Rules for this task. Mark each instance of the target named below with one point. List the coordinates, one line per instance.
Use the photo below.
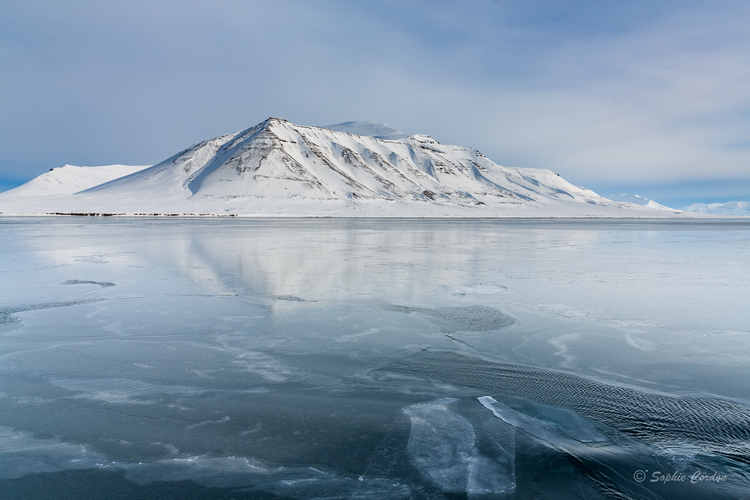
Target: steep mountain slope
(278, 168)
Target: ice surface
(441, 444)
(22, 454)
(478, 289)
(120, 390)
(706, 424)
(345, 358)
(558, 423)
(88, 282)
(6, 313)
(248, 473)
(487, 477)
(442, 447)
(471, 318)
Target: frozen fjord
(381, 359)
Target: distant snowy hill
(637, 200)
(70, 179)
(737, 208)
(277, 168)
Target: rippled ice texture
(225, 358)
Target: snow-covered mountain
(736, 208)
(637, 200)
(70, 179)
(277, 168)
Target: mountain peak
(426, 139)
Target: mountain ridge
(735, 208)
(282, 169)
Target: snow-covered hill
(736, 208)
(637, 200)
(70, 179)
(277, 168)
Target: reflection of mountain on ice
(275, 257)
(357, 169)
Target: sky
(638, 96)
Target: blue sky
(641, 96)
